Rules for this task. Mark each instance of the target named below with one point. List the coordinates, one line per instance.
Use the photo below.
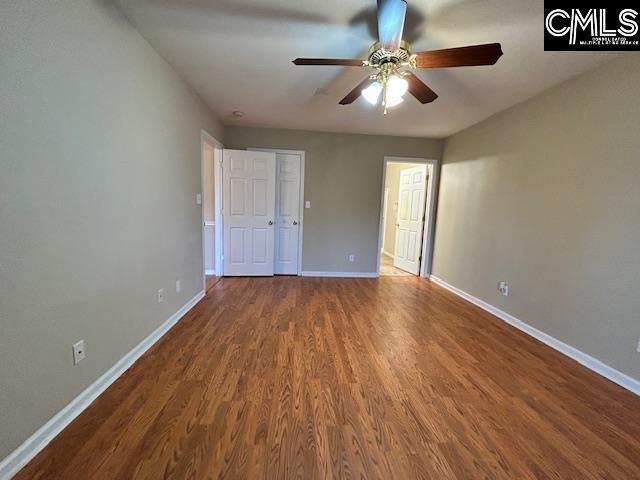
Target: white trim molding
(41, 438)
(210, 271)
(217, 147)
(341, 274)
(582, 358)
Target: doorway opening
(407, 216)
(211, 156)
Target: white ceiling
(237, 55)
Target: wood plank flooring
(210, 281)
(290, 377)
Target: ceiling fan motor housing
(378, 56)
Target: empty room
(265, 239)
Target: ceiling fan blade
(391, 15)
(460, 57)
(419, 89)
(346, 62)
(353, 95)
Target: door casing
(433, 167)
(206, 139)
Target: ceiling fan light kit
(393, 60)
(389, 81)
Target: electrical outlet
(638, 347)
(307, 204)
(198, 199)
(352, 258)
(78, 352)
(503, 288)
(178, 286)
(160, 295)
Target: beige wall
(99, 167)
(392, 182)
(343, 181)
(546, 196)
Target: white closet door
(288, 167)
(409, 225)
(248, 209)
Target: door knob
(295, 222)
(270, 222)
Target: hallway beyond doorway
(388, 270)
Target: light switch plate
(198, 199)
(307, 204)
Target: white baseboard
(210, 272)
(588, 361)
(36, 442)
(341, 274)
(384, 252)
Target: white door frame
(385, 205)
(301, 220)
(205, 138)
(429, 223)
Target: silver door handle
(270, 222)
(295, 222)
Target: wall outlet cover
(78, 352)
(503, 288)
(160, 295)
(352, 258)
(178, 286)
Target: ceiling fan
(393, 59)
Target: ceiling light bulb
(396, 86)
(372, 92)
(391, 100)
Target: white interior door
(288, 168)
(410, 221)
(248, 209)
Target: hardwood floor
(388, 269)
(292, 377)
(210, 281)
